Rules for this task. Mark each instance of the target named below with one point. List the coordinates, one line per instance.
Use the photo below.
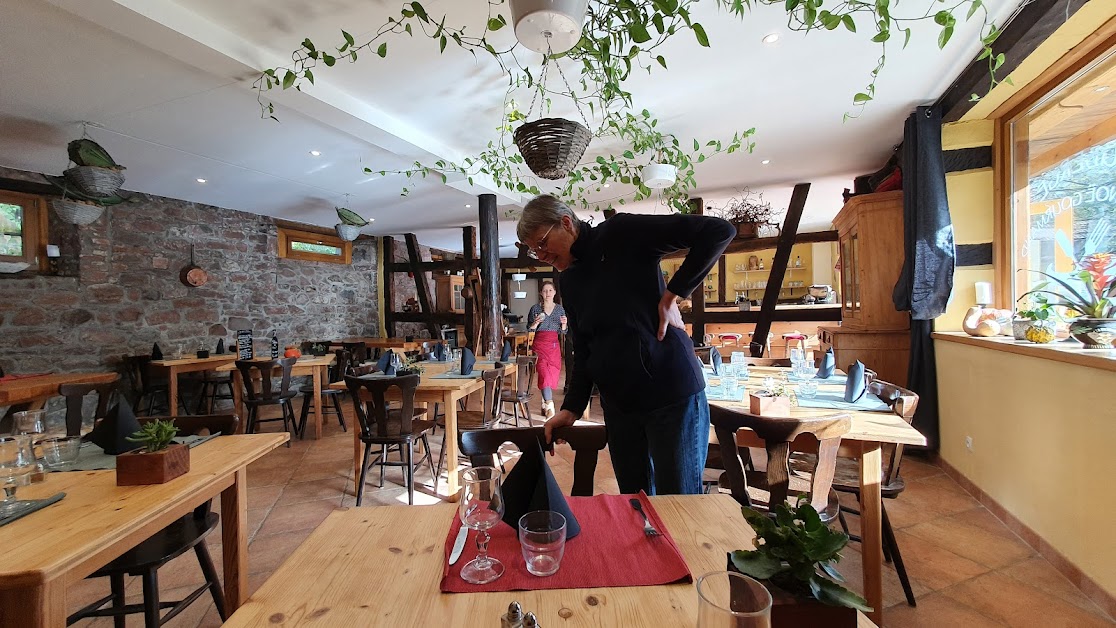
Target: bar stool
(791, 338)
(766, 343)
(730, 339)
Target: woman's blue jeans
(660, 451)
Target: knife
(458, 544)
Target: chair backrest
(903, 403)
(264, 369)
(377, 425)
(777, 434)
(585, 439)
(525, 372)
(340, 367)
(781, 362)
(199, 424)
(358, 350)
(75, 398)
(493, 382)
(359, 370)
(138, 370)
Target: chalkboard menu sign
(244, 344)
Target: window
(314, 247)
(22, 229)
(1063, 176)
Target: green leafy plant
(86, 152)
(1035, 308)
(154, 435)
(349, 217)
(798, 553)
(1090, 290)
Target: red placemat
(10, 378)
(611, 551)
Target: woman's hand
(669, 314)
(564, 418)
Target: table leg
(355, 429)
(238, 400)
(33, 606)
(452, 451)
(871, 531)
(172, 391)
(317, 376)
(234, 540)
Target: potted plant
(95, 172)
(1036, 312)
(1094, 299)
(795, 558)
(748, 212)
(772, 401)
(158, 461)
(351, 224)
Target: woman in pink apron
(547, 319)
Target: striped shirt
(550, 323)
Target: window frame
(34, 230)
(288, 236)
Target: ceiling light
(607, 184)
(201, 180)
(770, 38)
(765, 161)
(468, 206)
(316, 153)
(1100, 88)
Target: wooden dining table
(446, 392)
(190, 364)
(382, 566)
(32, 392)
(48, 551)
(865, 440)
(385, 343)
(317, 367)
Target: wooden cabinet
(447, 294)
(870, 231)
(885, 352)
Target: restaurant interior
(273, 351)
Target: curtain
(926, 280)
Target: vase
(1019, 328)
(138, 468)
(1094, 333)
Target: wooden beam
(744, 245)
(429, 267)
(721, 272)
(697, 299)
(29, 187)
(415, 257)
(796, 315)
(387, 243)
(1099, 134)
(433, 318)
(469, 250)
(493, 320)
(779, 267)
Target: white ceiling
(168, 84)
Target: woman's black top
(611, 293)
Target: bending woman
(547, 320)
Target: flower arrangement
(1094, 298)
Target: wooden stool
(730, 339)
(766, 344)
(794, 337)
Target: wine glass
(732, 600)
(481, 507)
(33, 424)
(17, 461)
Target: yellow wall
(1044, 445)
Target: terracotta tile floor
(967, 569)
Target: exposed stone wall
(119, 289)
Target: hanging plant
(351, 223)
(94, 172)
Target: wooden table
(382, 566)
(317, 367)
(433, 390)
(177, 366)
(48, 551)
(34, 391)
(387, 343)
(864, 440)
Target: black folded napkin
(112, 432)
(506, 354)
(156, 352)
(439, 352)
(385, 361)
(531, 486)
(827, 364)
(467, 361)
(854, 385)
(715, 360)
(220, 346)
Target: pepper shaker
(529, 621)
(513, 618)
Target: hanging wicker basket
(347, 233)
(552, 146)
(76, 212)
(94, 180)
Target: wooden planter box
(768, 406)
(137, 469)
(747, 230)
(791, 611)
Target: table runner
(836, 401)
(611, 551)
(33, 505)
(93, 458)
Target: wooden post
(493, 320)
(697, 299)
(388, 245)
(721, 272)
(420, 281)
(469, 250)
(779, 268)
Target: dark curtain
(927, 277)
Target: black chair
(336, 374)
(146, 386)
(250, 370)
(145, 559)
(390, 428)
(209, 392)
(586, 439)
(524, 375)
(358, 351)
(75, 402)
(468, 420)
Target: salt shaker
(514, 617)
(529, 621)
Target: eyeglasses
(533, 252)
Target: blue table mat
(836, 401)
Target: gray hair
(542, 211)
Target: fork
(648, 529)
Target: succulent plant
(155, 435)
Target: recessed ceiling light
(765, 161)
(1100, 88)
(468, 206)
(607, 184)
(201, 180)
(316, 153)
(770, 38)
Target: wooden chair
(251, 370)
(390, 428)
(147, 387)
(777, 434)
(586, 439)
(524, 375)
(468, 420)
(846, 477)
(145, 559)
(75, 401)
(358, 351)
(209, 392)
(336, 374)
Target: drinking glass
(727, 599)
(16, 464)
(542, 537)
(60, 452)
(481, 507)
(729, 380)
(807, 389)
(33, 424)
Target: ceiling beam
(1099, 134)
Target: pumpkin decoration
(1040, 333)
(987, 321)
(292, 352)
